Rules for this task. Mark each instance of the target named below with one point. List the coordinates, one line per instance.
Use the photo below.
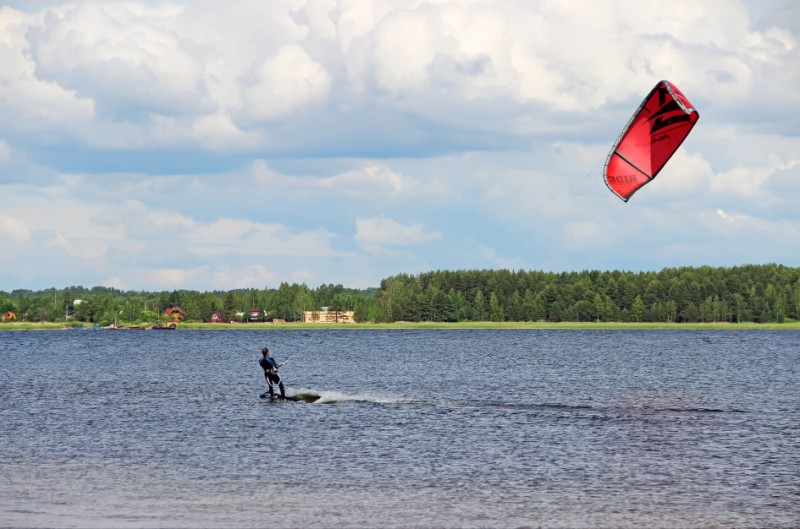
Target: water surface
(430, 428)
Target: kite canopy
(651, 137)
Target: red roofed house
(176, 314)
(254, 315)
(217, 317)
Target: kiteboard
(300, 397)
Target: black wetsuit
(270, 367)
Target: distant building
(255, 315)
(176, 313)
(217, 317)
(329, 316)
(9, 316)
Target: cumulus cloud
(135, 220)
(687, 174)
(123, 56)
(15, 229)
(387, 232)
(157, 228)
(231, 69)
(731, 218)
(284, 82)
(242, 237)
(501, 261)
(204, 145)
(748, 181)
(5, 151)
(366, 180)
(28, 102)
(370, 175)
(222, 278)
(218, 133)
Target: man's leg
(276, 379)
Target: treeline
(753, 293)
(104, 306)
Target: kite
(651, 137)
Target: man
(270, 367)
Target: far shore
(48, 326)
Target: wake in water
(313, 396)
(655, 407)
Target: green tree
(533, 306)
(495, 309)
(303, 301)
(638, 309)
(229, 308)
(479, 307)
(282, 302)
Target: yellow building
(328, 316)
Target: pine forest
(751, 293)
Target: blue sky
(204, 145)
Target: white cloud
(28, 102)
(5, 151)
(585, 233)
(15, 229)
(500, 261)
(686, 174)
(731, 219)
(372, 177)
(368, 180)
(124, 56)
(284, 82)
(203, 74)
(167, 143)
(133, 219)
(222, 277)
(246, 278)
(387, 232)
(76, 248)
(748, 181)
(243, 237)
(771, 46)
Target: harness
(270, 370)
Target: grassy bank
(27, 326)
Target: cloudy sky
(155, 145)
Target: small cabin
(9, 316)
(217, 317)
(329, 316)
(254, 315)
(176, 313)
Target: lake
(413, 428)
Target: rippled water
(413, 429)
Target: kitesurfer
(270, 367)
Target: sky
(205, 145)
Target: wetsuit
(270, 367)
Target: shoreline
(795, 326)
